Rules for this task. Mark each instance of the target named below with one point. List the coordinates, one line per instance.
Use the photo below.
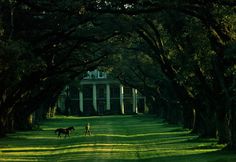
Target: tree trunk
(205, 123)
(3, 121)
(209, 126)
(197, 127)
(174, 114)
(23, 121)
(10, 124)
(232, 142)
(223, 131)
(188, 117)
(153, 105)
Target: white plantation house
(99, 94)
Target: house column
(135, 100)
(122, 99)
(95, 97)
(81, 102)
(108, 97)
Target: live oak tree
(217, 22)
(44, 47)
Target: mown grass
(113, 139)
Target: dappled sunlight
(108, 142)
(142, 135)
(115, 150)
(14, 159)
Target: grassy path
(113, 139)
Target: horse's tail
(56, 131)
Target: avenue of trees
(180, 54)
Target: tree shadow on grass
(216, 156)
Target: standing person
(87, 129)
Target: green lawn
(113, 139)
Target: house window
(101, 74)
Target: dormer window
(92, 76)
(101, 75)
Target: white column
(135, 100)
(81, 102)
(108, 97)
(122, 99)
(95, 97)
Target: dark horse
(65, 131)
